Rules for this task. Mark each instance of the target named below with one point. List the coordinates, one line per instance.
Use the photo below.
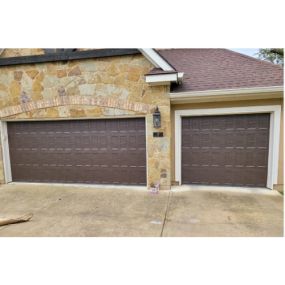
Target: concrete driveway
(89, 211)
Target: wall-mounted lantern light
(156, 118)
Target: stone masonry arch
(76, 100)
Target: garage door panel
(54, 173)
(229, 157)
(118, 173)
(194, 175)
(216, 174)
(216, 138)
(239, 137)
(204, 139)
(240, 122)
(205, 125)
(115, 141)
(85, 151)
(253, 122)
(138, 174)
(62, 140)
(19, 171)
(24, 171)
(240, 157)
(250, 139)
(140, 140)
(229, 174)
(191, 156)
(82, 157)
(190, 139)
(20, 156)
(134, 159)
(225, 150)
(261, 157)
(261, 138)
(249, 176)
(51, 156)
(229, 138)
(22, 141)
(217, 157)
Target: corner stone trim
(76, 100)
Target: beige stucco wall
(227, 105)
(92, 88)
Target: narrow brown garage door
(83, 151)
(225, 150)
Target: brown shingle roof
(213, 69)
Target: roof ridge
(254, 59)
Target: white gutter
(161, 79)
(227, 94)
(180, 76)
(159, 62)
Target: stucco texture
(91, 88)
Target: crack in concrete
(3, 227)
(166, 212)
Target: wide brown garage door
(83, 151)
(225, 150)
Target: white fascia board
(227, 94)
(161, 79)
(156, 59)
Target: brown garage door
(225, 150)
(83, 151)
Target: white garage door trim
(5, 142)
(5, 152)
(274, 134)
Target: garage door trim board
(5, 142)
(274, 134)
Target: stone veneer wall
(9, 52)
(92, 88)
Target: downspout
(180, 77)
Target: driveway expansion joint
(166, 212)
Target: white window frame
(274, 134)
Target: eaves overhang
(156, 59)
(252, 93)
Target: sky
(248, 51)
